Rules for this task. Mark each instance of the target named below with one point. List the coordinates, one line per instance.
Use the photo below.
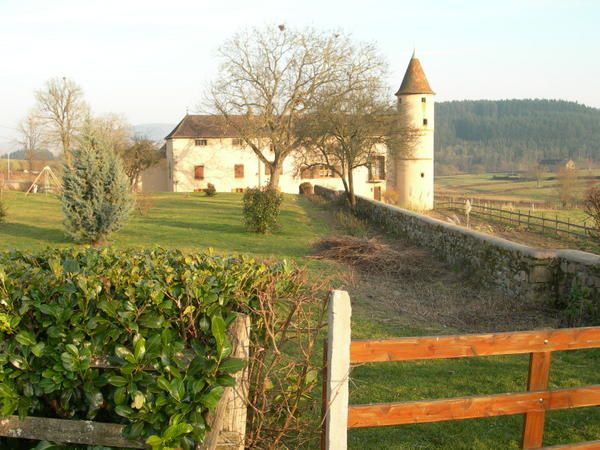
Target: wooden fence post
(228, 421)
(338, 365)
(533, 426)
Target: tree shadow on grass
(32, 232)
(202, 226)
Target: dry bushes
(143, 204)
(284, 406)
(592, 207)
(371, 255)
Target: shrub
(143, 204)
(144, 308)
(211, 191)
(261, 209)
(96, 197)
(579, 307)
(3, 212)
(306, 188)
(351, 224)
(592, 207)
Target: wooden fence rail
(533, 403)
(531, 221)
(228, 421)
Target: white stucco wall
(219, 158)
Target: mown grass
(190, 222)
(194, 222)
(420, 380)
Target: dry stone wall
(515, 269)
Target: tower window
(425, 122)
(423, 99)
(200, 142)
(377, 168)
(422, 174)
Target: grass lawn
(194, 222)
(190, 222)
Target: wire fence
(535, 222)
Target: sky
(151, 60)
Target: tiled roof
(203, 126)
(414, 81)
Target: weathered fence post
(338, 370)
(228, 422)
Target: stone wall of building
(515, 269)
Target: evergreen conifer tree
(97, 197)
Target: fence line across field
(521, 218)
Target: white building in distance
(203, 149)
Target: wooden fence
(342, 352)
(228, 421)
(531, 221)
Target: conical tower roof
(414, 81)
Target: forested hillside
(489, 135)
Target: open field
(431, 299)
(485, 186)
(526, 197)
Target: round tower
(413, 160)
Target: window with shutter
(199, 172)
(239, 170)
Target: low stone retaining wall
(515, 269)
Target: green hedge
(59, 308)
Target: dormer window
(200, 142)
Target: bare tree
(591, 207)
(112, 129)
(353, 124)
(63, 108)
(31, 136)
(536, 172)
(140, 155)
(566, 186)
(268, 79)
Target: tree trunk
(274, 178)
(351, 196)
(66, 147)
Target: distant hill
(153, 131)
(41, 155)
(513, 134)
